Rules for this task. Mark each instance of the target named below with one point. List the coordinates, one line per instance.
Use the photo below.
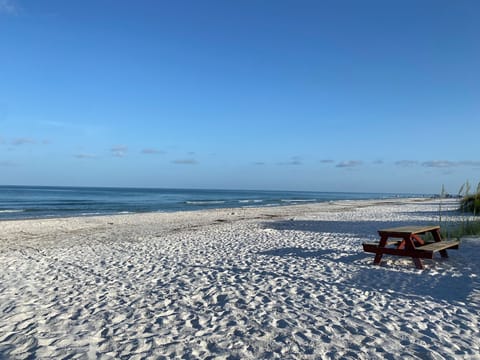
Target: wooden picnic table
(407, 241)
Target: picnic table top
(407, 230)
(412, 245)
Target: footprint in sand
(194, 323)
(221, 300)
(281, 324)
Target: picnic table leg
(410, 246)
(379, 254)
(438, 237)
(443, 253)
(418, 263)
(378, 258)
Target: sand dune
(276, 283)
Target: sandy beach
(255, 283)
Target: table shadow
(363, 229)
(452, 280)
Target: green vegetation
(469, 205)
(464, 228)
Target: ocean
(26, 202)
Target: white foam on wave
(205, 202)
(11, 211)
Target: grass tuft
(459, 230)
(469, 205)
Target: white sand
(282, 283)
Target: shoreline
(361, 202)
(55, 202)
(276, 282)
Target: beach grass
(470, 203)
(467, 224)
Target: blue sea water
(24, 202)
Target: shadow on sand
(362, 229)
(452, 283)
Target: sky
(340, 95)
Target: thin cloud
(295, 160)
(470, 163)
(259, 163)
(378, 162)
(119, 151)
(85, 156)
(22, 141)
(185, 162)
(440, 164)
(8, 7)
(406, 163)
(327, 161)
(446, 164)
(349, 164)
(7, 164)
(151, 151)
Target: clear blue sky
(340, 95)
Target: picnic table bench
(406, 241)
